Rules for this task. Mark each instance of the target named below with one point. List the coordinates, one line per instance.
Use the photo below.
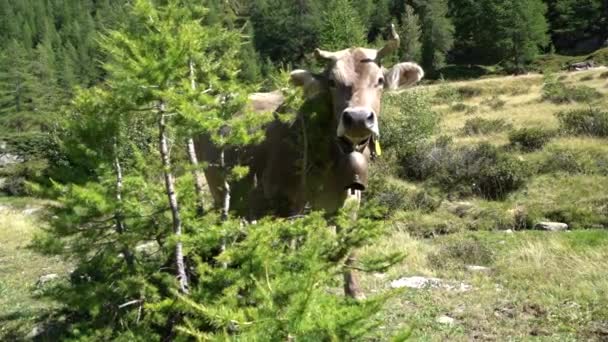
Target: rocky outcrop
(551, 226)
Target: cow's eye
(381, 81)
(331, 83)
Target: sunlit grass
(20, 269)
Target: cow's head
(356, 80)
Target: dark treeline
(49, 47)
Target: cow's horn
(391, 45)
(325, 55)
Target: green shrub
(424, 225)
(393, 195)
(577, 200)
(468, 92)
(472, 110)
(459, 107)
(604, 75)
(446, 94)
(530, 139)
(481, 126)
(575, 161)
(483, 170)
(479, 170)
(559, 93)
(407, 120)
(494, 102)
(591, 121)
(587, 78)
(459, 252)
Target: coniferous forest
(101, 102)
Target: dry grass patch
(20, 269)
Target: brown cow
(321, 157)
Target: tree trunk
(351, 280)
(120, 224)
(172, 196)
(226, 200)
(196, 174)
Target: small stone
(418, 282)
(460, 209)
(551, 226)
(35, 332)
(509, 231)
(447, 320)
(475, 268)
(46, 278)
(31, 211)
(415, 282)
(10, 159)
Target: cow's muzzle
(353, 171)
(358, 124)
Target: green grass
(20, 268)
(540, 286)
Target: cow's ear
(306, 80)
(403, 75)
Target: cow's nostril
(370, 118)
(347, 118)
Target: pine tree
(341, 27)
(410, 33)
(437, 34)
(520, 30)
(572, 21)
(286, 31)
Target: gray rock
(7, 159)
(418, 282)
(551, 226)
(31, 211)
(46, 279)
(459, 209)
(35, 332)
(447, 320)
(475, 268)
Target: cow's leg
(351, 279)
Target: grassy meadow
(534, 285)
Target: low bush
(481, 170)
(459, 107)
(407, 120)
(391, 195)
(577, 200)
(494, 102)
(468, 92)
(557, 92)
(591, 121)
(575, 161)
(446, 94)
(459, 252)
(587, 78)
(424, 225)
(481, 126)
(530, 138)
(604, 75)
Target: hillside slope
(497, 278)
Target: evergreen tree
(520, 30)
(410, 33)
(573, 21)
(286, 31)
(437, 33)
(341, 27)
